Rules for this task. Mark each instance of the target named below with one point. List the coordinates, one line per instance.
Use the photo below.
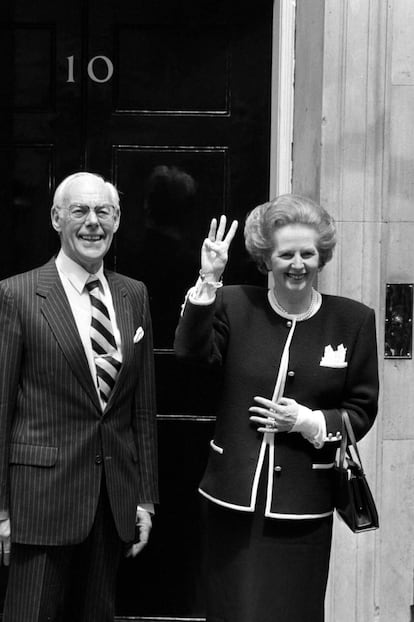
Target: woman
(291, 358)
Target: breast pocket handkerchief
(138, 334)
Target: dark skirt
(263, 569)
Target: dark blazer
(243, 335)
(55, 441)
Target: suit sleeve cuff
(312, 425)
(148, 507)
(203, 293)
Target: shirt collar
(75, 273)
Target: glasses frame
(105, 218)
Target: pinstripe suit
(55, 441)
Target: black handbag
(353, 498)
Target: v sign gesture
(214, 252)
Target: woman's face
(294, 261)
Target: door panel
(166, 580)
(25, 197)
(168, 196)
(40, 137)
(167, 72)
(171, 100)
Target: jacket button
(278, 469)
(291, 373)
(98, 459)
(288, 323)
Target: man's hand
(5, 541)
(144, 524)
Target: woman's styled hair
(61, 191)
(287, 209)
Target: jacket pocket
(216, 448)
(34, 455)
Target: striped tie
(104, 346)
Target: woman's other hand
(278, 416)
(214, 252)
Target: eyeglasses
(79, 213)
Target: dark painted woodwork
(167, 576)
(183, 129)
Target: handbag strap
(348, 440)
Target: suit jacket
(55, 441)
(243, 335)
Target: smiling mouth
(296, 277)
(91, 238)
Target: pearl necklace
(314, 306)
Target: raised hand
(214, 252)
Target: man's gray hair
(60, 192)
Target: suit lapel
(56, 309)
(125, 323)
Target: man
(77, 417)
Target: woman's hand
(214, 252)
(278, 416)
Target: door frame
(283, 92)
(297, 97)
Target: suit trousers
(73, 583)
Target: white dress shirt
(74, 279)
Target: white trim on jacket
(266, 442)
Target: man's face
(85, 242)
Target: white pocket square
(139, 334)
(334, 358)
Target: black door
(171, 100)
